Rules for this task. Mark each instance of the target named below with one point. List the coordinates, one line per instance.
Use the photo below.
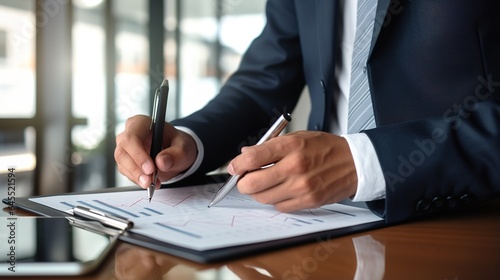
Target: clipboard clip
(104, 219)
(94, 227)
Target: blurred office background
(72, 72)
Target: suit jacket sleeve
(437, 164)
(268, 82)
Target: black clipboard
(206, 256)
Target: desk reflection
(360, 257)
(464, 245)
(370, 258)
(461, 246)
(132, 262)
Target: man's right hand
(133, 146)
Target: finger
(301, 193)
(179, 156)
(181, 151)
(165, 176)
(287, 198)
(133, 141)
(282, 182)
(299, 202)
(139, 126)
(254, 157)
(291, 205)
(130, 153)
(286, 168)
(275, 184)
(127, 166)
(274, 194)
(260, 180)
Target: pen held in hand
(157, 126)
(273, 131)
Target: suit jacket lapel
(326, 28)
(382, 7)
(327, 33)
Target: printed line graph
(135, 209)
(112, 210)
(180, 216)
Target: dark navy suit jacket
(434, 73)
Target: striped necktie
(360, 114)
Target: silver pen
(273, 131)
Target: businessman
(405, 109)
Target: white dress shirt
(371, 182)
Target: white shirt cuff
(197, 161)
(371, 182)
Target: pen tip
(149, 200)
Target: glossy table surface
(463, 245)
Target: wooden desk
(464, 245)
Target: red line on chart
(233, 220)
(211, 223)
(254, 214)
(190, 221)
(139, 200)
(164, 202)
(127, 205)
(230, 223)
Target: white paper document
(181, 216)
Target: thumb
(179, 156)
(164, 161)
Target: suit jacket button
(437, 202)
(423, 206)
(317, 127)
(452, 201)
(466, 199)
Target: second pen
(273, 131)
